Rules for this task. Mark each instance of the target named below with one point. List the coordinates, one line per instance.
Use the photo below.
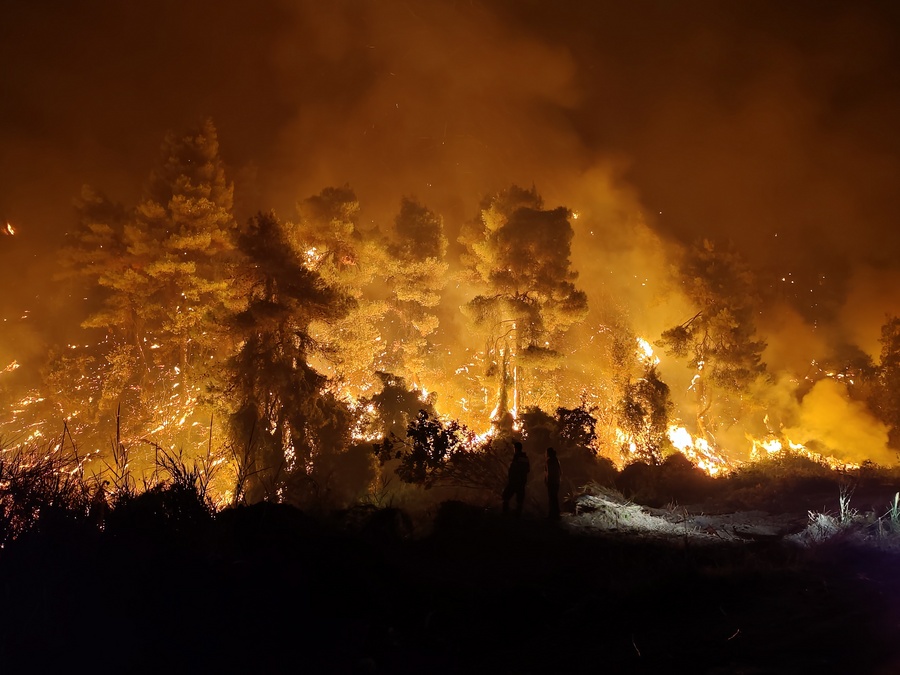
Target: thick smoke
(831, 423)
(443, 101)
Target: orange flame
(773, 447)
(698, 450)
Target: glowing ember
(624, 440)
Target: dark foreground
(266, 589)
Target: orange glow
(698, 450)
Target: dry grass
(39, 485)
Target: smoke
(792, 342)
(830, 423)
(770, 125)
(441, 101)
(873, 296)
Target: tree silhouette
(644, 415)
(280, 407)
(887, 395)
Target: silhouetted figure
(517, 478)
(552, 474)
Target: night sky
(771, 124)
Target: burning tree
(161, 277)
(719, 341)
(644, 415)
(281, 410)
(887, 394)
(334, 248)
(518, 253)
(416, 274)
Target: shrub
(39, 486)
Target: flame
(698, 450)
(645, 352)
(772, 446)
(624, 440)
(313, 257)
(9, 230)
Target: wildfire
(698, 450)
(624, 440)
(363, 431)
(9, 230)
(313, 256)
(773, 447)
(645, 353)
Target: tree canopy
(518, 254)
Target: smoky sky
(772, 124)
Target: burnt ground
(267, 589)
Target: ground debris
(605, 510)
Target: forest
(326, 361)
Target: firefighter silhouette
(517, 479)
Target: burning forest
(284, 308)
(297, 267)
(282, 349)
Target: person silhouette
(552, 475)
(517, 478)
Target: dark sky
(740, 120)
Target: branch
(696, 316)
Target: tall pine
(282, 414)
(164, 278)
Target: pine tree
(518, 253)
(416, 274)
(281, 408)
(719, 341)
(181, 244)
(163, 278)
(335, 248)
